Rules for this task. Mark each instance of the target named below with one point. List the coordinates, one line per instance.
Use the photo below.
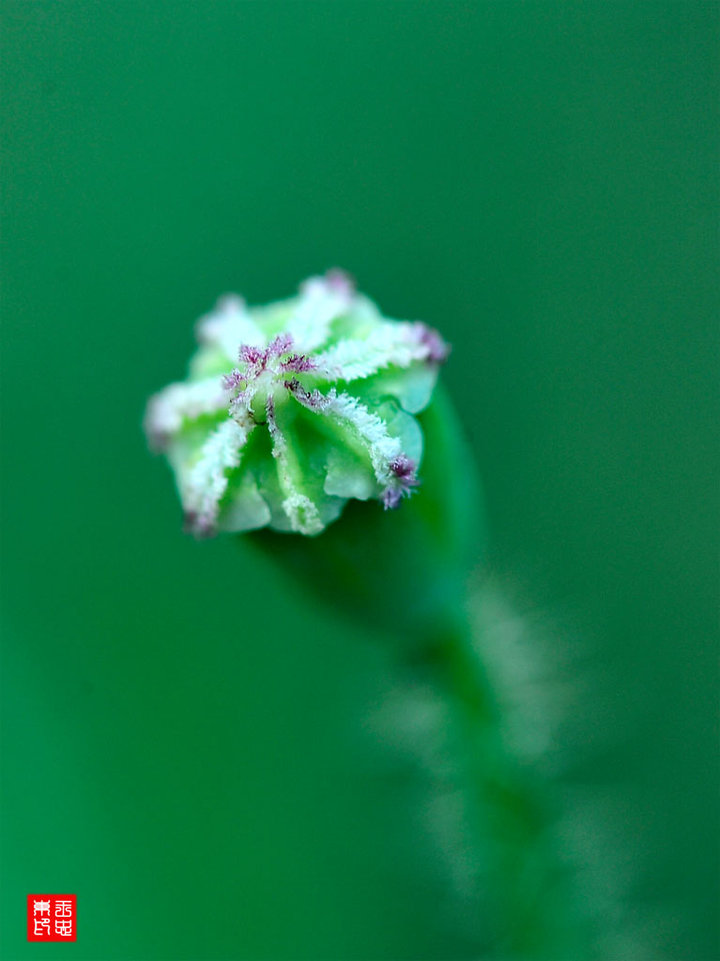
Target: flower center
(263, 372)
(265, 385)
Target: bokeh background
(188, 743)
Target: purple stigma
(403, 469)
(297, 364)
(252, 356)
(158, 439)
(313, 400)
(340, 282)
(198, 525)
(280, 345)
(230, 304)
(391, 498)
(233, 380)
(437, 349)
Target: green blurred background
(540, 182)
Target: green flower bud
(290, 410)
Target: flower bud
(289, 410)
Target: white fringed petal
(167, 410)
(207, 481)
(318, 305)
(344, 383)
(230, 325)
(396, 345)
(372, 431)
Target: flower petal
(205, 483)
(167, 410)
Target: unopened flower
(289, 410)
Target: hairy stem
(405, 573)
(510, 828)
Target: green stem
(404, 572)
(513, 836)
